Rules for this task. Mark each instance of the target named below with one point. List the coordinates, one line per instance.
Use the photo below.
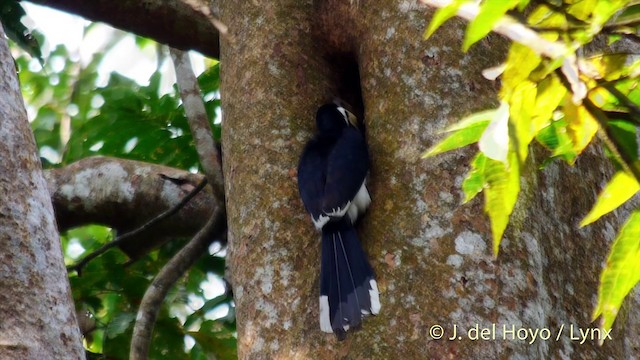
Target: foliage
(556, 91)
(74, 117)
(11, 13)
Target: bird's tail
(348, 289)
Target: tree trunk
(38, 320)
(432, 256)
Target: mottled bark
(432, 255)
(182, 24)
(272, 81)
(125, 194)
(37, 317)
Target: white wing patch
(320, 222)
(362, 199)
(325, 319)
(353, 208)
(374, 294)
(360, 203)
(339, 212)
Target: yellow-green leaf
(472, 120)
(490, 12)
(582, 9)
(458, 139)
(554, 137)
(620, 189)
(608, 66)
(467, 131)
(441, 16)
(549, 96)
(603, 11)
(581, 126)
(521, 61)
(621, 273)
(500, 194)
(474, 182)
(522, 101)
(542, 15)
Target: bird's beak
(352, 118)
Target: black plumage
(331, 179)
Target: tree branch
(198, 121)
(121, 238)
(183, 24)
(124, 194)
(188, 255)
(170, 273)
(633, 108)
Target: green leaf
(120, 324)
(621, 273)
(630, 13)
(208, 305)
(474, 182)
(11, 13)
(620, 189)
(490, 12)
(467, 131)
(500, 194)
(609, 66)
(554, 137)
(542, 15)
(209, 80)
(625, 134)
(604, 10)
(216, 340)
(522, 105)
(501, 185)
(582, 9)
(523, 4)
(441, 16)
(549, 96)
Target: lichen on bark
(38, 318)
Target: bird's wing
(311, 177)
(346, 169)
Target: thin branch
(632, 37)
(621, 115)
(166, 278)
(198, 122)
(616, 149)
(189, 254)
(185, 24)
(510, 28)
(621, 24)
(562, 10)
(520, 33)
(121, 238)
(633, 108)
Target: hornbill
(331, 178)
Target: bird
(332, 175)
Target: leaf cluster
(557, 92)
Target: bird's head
(332, 118)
